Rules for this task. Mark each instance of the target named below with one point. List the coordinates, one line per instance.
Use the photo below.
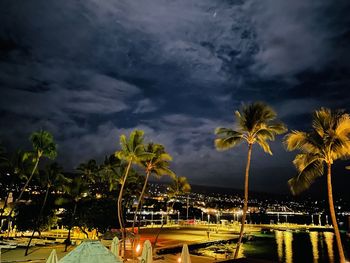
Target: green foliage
(53, 177)
(43, 144)
(327, 141)
(255, 124)
(89, 171)
(158, 164)
(132, 148)
(111, 172)
(179, 186)
(75, 190)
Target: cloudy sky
(89, 71)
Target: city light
(138, 248)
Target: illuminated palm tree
(328, 141)
(133, 151)
(43, 146)
(178, 186)
(158, 165)
(255, 125)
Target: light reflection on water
(314, 244)
(279, 241)
(329, 236)
(288, 239)
(284, 239)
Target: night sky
(89, 71)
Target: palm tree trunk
(36, 227)
(160, 229)
(5, 204)
(25, 186)
(27, 183)
(139, 201)
(136, 211)
(70, 227)
(333, 216)
(120, 197)
(245, 206)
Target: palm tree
(17, 167)
(52, 177)
(110, 172)
(76, 189)
(158, 165)
(43, 146)
(89, 170)
(132, 151)
(178, 186)
(328, 140)
(255, 124)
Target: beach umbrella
(115, 247)
(146, 255)
(53, 257)
(185, 254)
(90, 251)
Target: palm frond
(265, 134)
(343, 126)
(43, 141)
(222, 144)
(309, 168)
(301, 141)
(264, 145)
(228, 138)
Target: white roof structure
(90, 252)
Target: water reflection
(288, 239)
(279, 241)
(319, 242)
(328, 236)
(314, 244)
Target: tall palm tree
(255, 123)
(178, 186)
(52, 177)
(158, 165)
(43, 146)
(76, 190)
(17, 167)
(132, 151)
(328, 140)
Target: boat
(8, 246)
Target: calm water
(289, 247)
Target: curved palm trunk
(139, 218)
(5, 204)
(120, 197)
(36, 227)
(26, 184)
(70, 227)
(139, 201)
(136, 211)
(333, 216)
(160, 229)
(245, 206)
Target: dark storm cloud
(89, 71)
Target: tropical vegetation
(255, 124)
(327, 141)
(99, 195)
